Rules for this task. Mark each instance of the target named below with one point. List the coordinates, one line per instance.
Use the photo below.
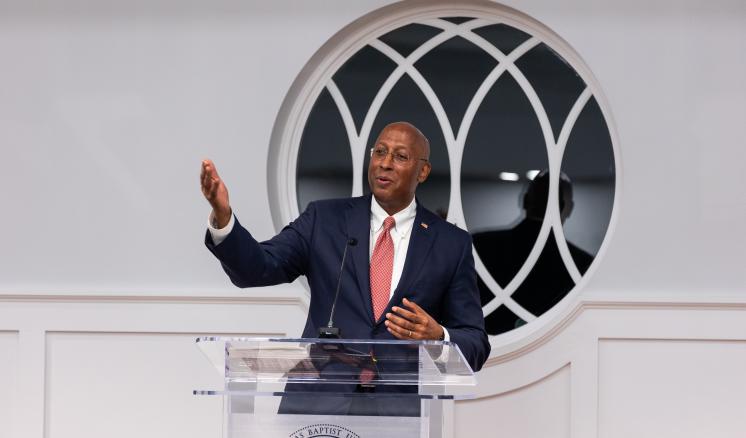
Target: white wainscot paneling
(672, 388)
(8, 363)
(129, 384)
(541, 409)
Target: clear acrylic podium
(308, 388)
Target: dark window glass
(502, 320)
(360, 78)
(457, 20)
(502, 36)
(588, 163)
(556, 83)
(547, 283)
(407, 39)
(455, 70)
(324, 161)
(485, 294)
(406, 102)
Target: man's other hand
(216, 193)
(412, 323)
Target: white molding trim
(184, 299)
(601, 302)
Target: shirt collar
(378, 214)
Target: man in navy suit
(429, 283)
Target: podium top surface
(429, 366)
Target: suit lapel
(358, 227)
(420, 242)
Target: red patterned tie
(381, 268)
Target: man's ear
(424, 172)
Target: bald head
(417, 137)
(401, 163)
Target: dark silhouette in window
(504, 251)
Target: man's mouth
(383, 180)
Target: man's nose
(387, 161)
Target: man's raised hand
(216, 193)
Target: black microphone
(330, 331)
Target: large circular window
(523, 152)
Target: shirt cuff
(442, 359)
(446, 337)
(219, 234)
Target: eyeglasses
(380, 153)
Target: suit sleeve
(281, 259)
(462, 311)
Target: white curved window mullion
(393, 78)
(533, 256)
(564, 251)
(464, 30)
(455, 209)
(511, 304)
(533, 98)
(357, 153)
(438, 110)
(548, 135)
(552, 213)
(445, 24)
(292, 175)
(541, 114)
(375, 107)
(485, 87)
(519, 310)
(572, 117)
(407, 64)
(428, 45)
(437, 106)
(492, 305)
(559, 234)
(484, 274)
(489, 282)
(426, 89)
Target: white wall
(107, 107)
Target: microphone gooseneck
(330, 331)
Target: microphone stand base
(329, 333)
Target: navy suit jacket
(438, 271)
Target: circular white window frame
(317, 74)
